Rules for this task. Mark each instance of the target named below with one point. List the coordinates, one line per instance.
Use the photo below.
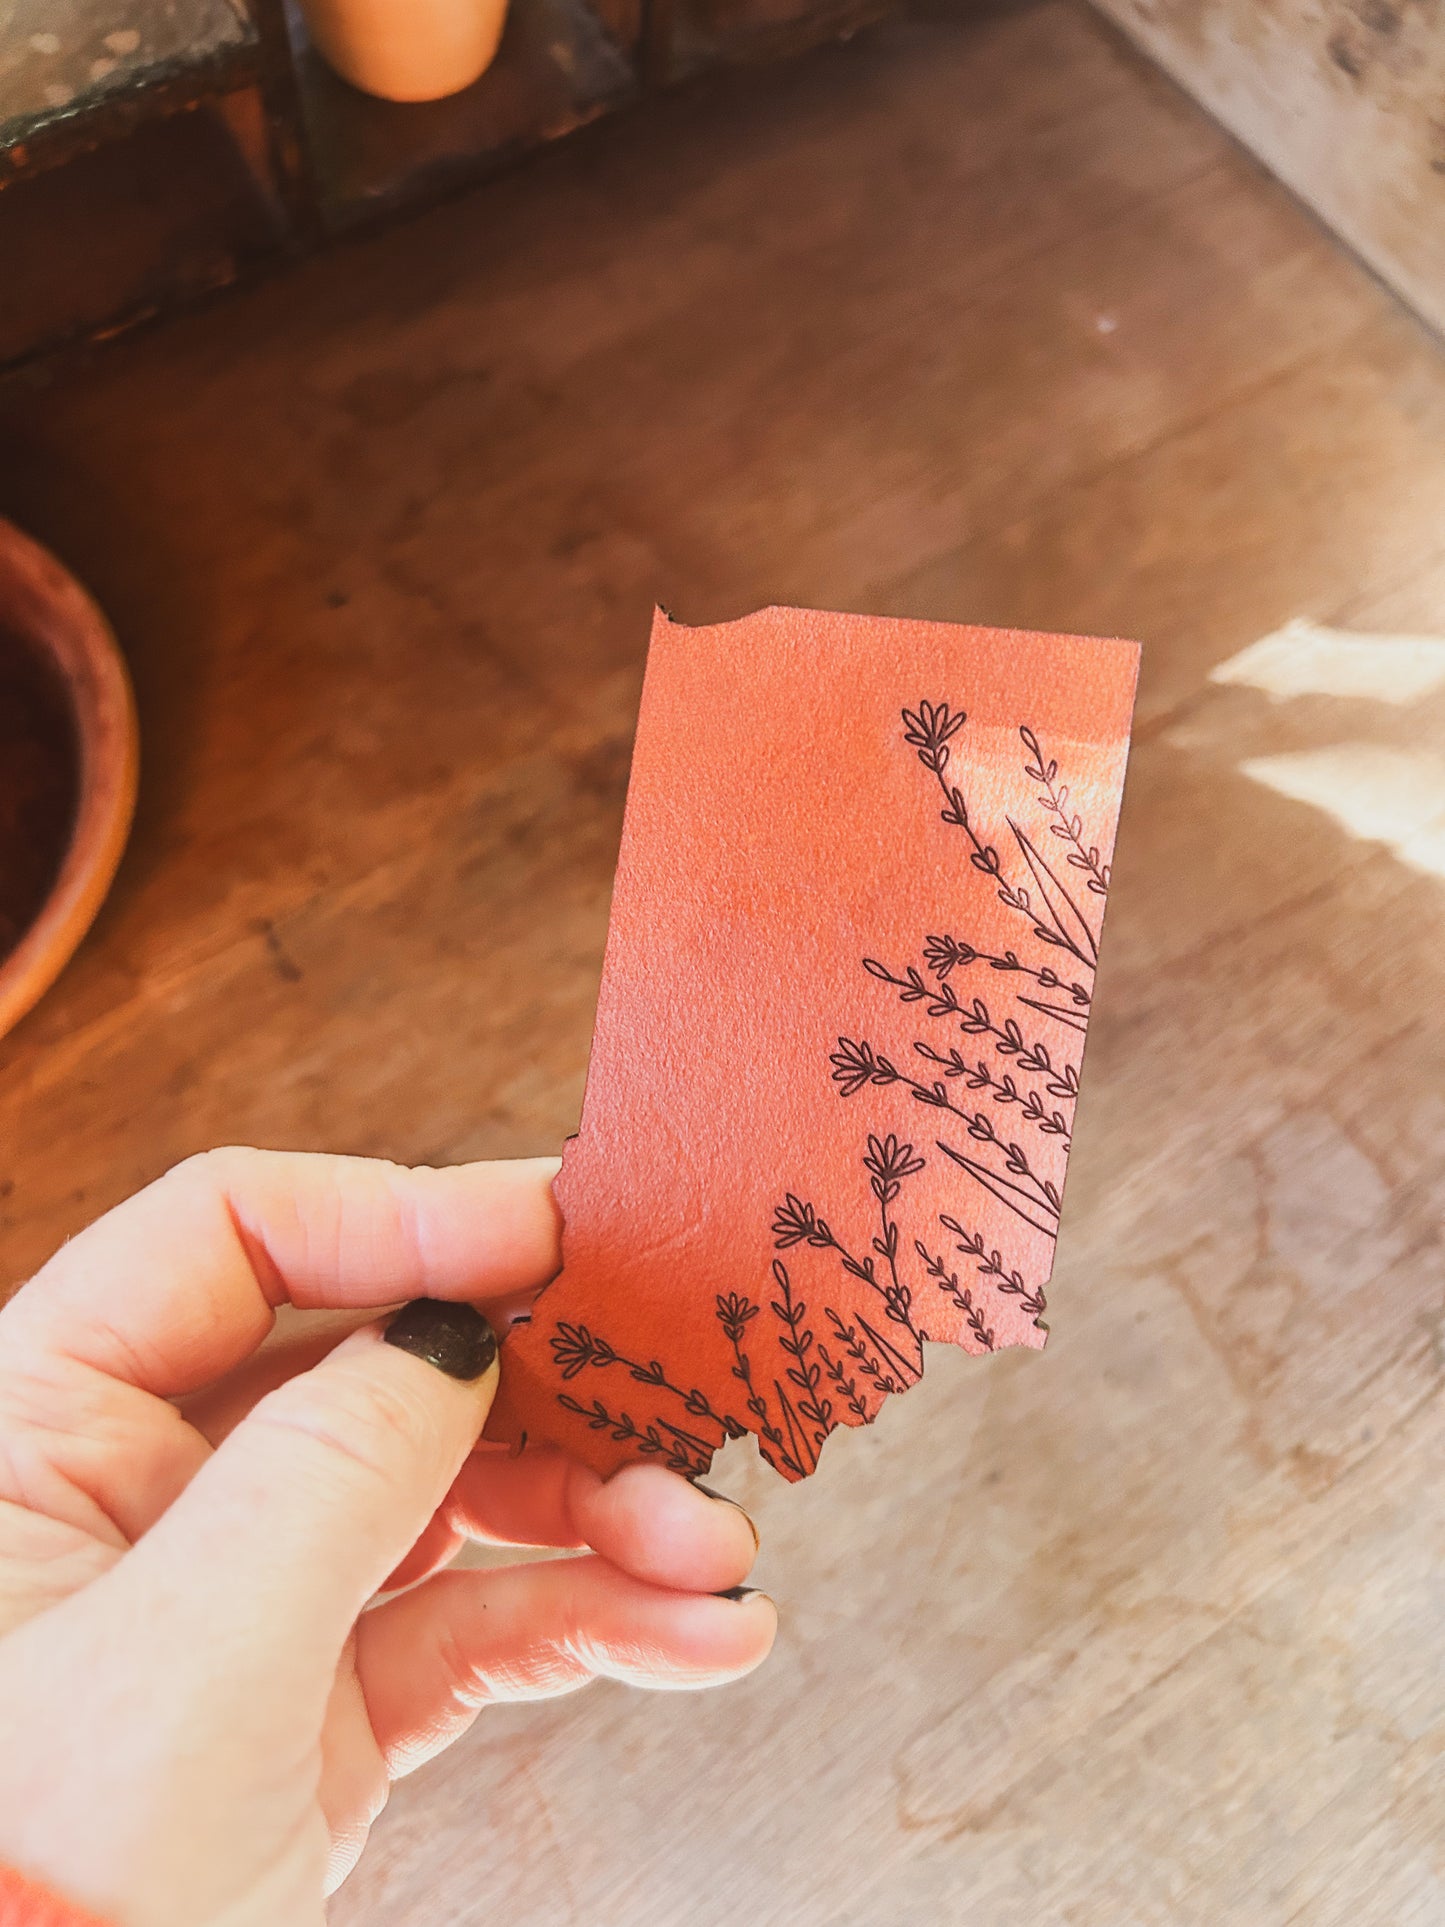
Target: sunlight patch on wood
(1306, 659)
(1390, 796)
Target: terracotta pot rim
(45, 604)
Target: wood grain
(976, 318)
(1341, 98)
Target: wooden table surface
(974, 317)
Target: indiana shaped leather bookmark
(848, 978)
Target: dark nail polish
(738, 1593)
(723, 1499)
(454, 1338)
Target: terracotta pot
(43, 607)
(407, 49)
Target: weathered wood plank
(1341, 98)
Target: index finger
(181, 1282)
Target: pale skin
(203, 1703)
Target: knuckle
(361, 1427)
(464, 1678)
(402, 1418)
(213, 1170)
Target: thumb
(299, 1517)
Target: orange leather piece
(850, 966)
(23, 1904)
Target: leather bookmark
(848, 979)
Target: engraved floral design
(840, 1317)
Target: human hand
(199, 1716)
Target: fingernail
(454, 1338)
(738, 1593)
(723, 1499)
